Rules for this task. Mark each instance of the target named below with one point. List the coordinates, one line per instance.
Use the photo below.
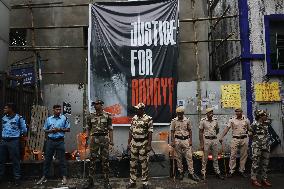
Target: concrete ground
(156, 183)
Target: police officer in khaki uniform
(240, 126)
(181, 138)
(208, 131)
(139, 142)
(100, 131)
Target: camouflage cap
(98, 102)
(180, 109)
(260, 113)
(209, 110)
(139, 106)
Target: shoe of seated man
(41, 181)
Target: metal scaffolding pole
(50, 27)
(210, 41)
(207, 18)
(35, 55)
(41, 48)
(197, 62)
(47, 5)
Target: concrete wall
(72, 61)
(227, 55)
(257, 10)
(59, 88)
(4, 33)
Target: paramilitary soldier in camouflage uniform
(260, 149)
(208, 130)
(139, 142)
(181, 137)
(100, 131)
(240, 126)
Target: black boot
(193, 177)
(180, 176)
(131, 185)
(243, 174)
(219, 176)
(145, 186)
(17, 182)
(107, 185)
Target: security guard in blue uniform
(55, 126)
(13, 126)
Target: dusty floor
(161, 183)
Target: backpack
(274, 139)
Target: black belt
(100, 134)
(210, 137)
(182, 137)
(140, 139)
(7, 139)
(240, 137)
(56, 139)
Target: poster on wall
(267, 92)
(231, 96)
(133, 56)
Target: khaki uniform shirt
(99, 123)
(210, 128)
(141, 126)
(239, 126)
(181, 127)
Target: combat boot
(243, 174)
(219, 176)
(131, 185)
(180, 176)
(145, 186)
(230, 175)
(17, 182)
(255, 183)
(265, 182)
(107, 185)
(193, 177)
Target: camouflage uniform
(181, 130)
(99, 126)
(239, 140)
(260, 150)
(140, 128)
(210, 142)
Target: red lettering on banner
(153, 92)
(135, 92)
(171, 89)
(164, 86)
(142, 91)
(157, 92)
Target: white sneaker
(64, 180)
